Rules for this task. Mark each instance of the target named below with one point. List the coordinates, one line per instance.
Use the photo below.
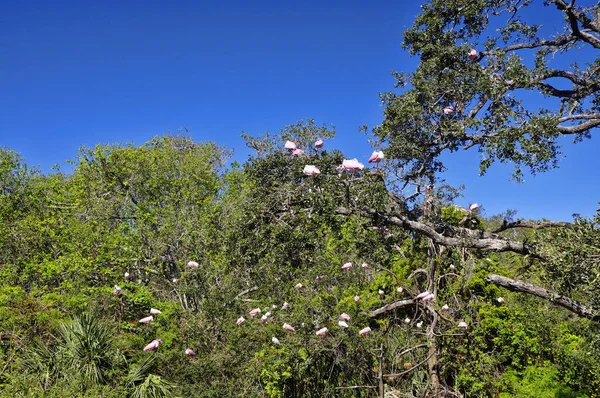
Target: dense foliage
(158, 271)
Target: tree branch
(388, 307)
(453, 236)
(563, 301)
(530, 224)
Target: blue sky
(76, 74)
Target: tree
(524, 88)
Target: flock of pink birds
(349, 165)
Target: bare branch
(354, 387)
(580, 128)
(563, 301)
(575, 17)
(394, 375)
(388, 307)
(530, 224)
(452, 236)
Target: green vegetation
(85, 255)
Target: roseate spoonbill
(381, 292)
(462, 325)
(297, 152)
(473, 54)
(321, 332)
(126, 275)
(254, 312)
(420, 324)
(347, 266)
(500, 300)
(318, 144)
(285, 306)
(352, 165)
(429, 297)
(153, 345)
(319, 277)
(298, 286)
(147, 319)
(343, 324)
(365, 330)
(154, 311)
(275, 340)
(311, 170)
(117, 290)
(365, 266)
(399, 290)
(356, 298)
(290, 146)
(407, 320)
(189, 352)
(240, 321)
(345, 317)
(422, 295)
(445, 307)
(448, 110)
(474, 207)
(288, 327)
(192, 264)
(376, 157)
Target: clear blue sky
(73, 74)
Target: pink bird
(192, 264)
(290, 146)
(189, 352)
(288, 327)
(500, 300)
(399, 290)
(343, 324)
(321, 332)
(448, 110)
(422, 295)
(318, 144)
(452, 267)
(381, 292)
(147, 319)
(473, 54)
(474, 207)
(311, 170)
(240, 321)
(429, 297)
(117, 290)
(297, 152)
(365, 266)
(319, 277)
(445, 307)
(254, 312)
(407, 321)
(285, 306)
(345, 317)
(376, 157)
(347, 266)
(365, 330)
(298, 286)
(126, 275)
(356, 298)
(154, 311)
(352, 165)
(462, 325)
(153, 345)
